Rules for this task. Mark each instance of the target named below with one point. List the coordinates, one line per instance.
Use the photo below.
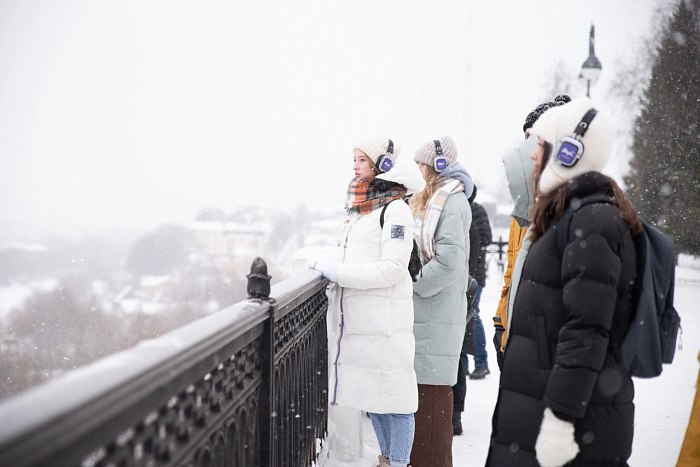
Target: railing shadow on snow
(246, 386)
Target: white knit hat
(377, 146)
(558, 122)
(427, 153)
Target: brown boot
(383, 461)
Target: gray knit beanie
(426, 153)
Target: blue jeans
(395, 435)
(480, 355)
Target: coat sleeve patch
(397, 231)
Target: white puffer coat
(371, 316)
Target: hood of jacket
(457, 171)
(407, 174)
(519, 174)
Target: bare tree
(559, 79)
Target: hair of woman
(420, 199)
(550, 207)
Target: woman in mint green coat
(443, 218)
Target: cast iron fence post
(259, 290)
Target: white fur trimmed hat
(377, 146)
(597, 142)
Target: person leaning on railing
(371, 308)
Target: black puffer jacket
(481, 219)
(473, 247)
(567, 308)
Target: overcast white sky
(138, 112)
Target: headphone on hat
(439, 163)
(385, 161)
(570, 148)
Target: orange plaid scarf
(364, 197)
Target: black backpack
(651, 339)
(414, 264)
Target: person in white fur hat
(565, 396)
(559, 126)
(371, 308)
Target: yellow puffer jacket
(690, 451)
(516, 234)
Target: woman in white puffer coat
(371, 314)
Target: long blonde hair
(420, 199)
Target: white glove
(326, 265)
(555, 444)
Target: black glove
(497, 339)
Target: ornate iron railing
(496, 250)
(246, 386)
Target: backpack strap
(381, 216)
(565, 221)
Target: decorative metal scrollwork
(245, 393)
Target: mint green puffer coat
(439, 297)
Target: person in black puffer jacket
(565, 396)
(459, 389)
(481, 219)
(477, 269)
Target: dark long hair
(549, 207)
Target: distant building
(151, 295)
(231, 240)
(324, 232)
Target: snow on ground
(662, 404)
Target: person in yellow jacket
(690, 450)
(518, 166)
